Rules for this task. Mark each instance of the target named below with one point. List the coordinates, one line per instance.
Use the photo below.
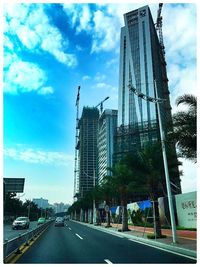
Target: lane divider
(22, 249)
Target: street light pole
(169, 194)
(162, 137)
(94, 205)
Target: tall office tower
(87, 145)
(106, 133)
(143, 66)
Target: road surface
(9, 233)
(77, 243)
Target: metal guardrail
(13, 245)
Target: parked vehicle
(41, 221)
(21, 223)
(59, 221)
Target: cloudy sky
(50, 49)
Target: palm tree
(125, 181)
(185, 127)
(107, 193)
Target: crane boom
(101, 104)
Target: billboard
(186, 206)
(13, 185)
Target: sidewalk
(186, 240)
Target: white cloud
(46, 90)
(37, 156)
(100, 77)
(106, 32)
(85, 17)
(33, 28)
(109, 89)
(22, 76)
(86, 77)
(189, 178)
(180, 49)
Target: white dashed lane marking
(108, 261)
(79, 236)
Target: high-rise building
(87, 146)
(142, 66)
(106, 133)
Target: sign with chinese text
(186, 206)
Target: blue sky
(50, 49)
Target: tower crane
(76, 143)
(101, 104)
(158, 25)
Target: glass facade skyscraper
(143, 66)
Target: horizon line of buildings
(44, 204)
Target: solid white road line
(108, 261)
(79, 236)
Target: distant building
(41, 202)
(107, 130)
(60, 207)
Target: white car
(21, 223)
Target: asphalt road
(9, 233)
(77, 243)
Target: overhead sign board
(13, 185)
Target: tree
(107, 193)
(12, 205)
(185, 127)
(124, 181)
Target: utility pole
(158, 101)
(169, 193)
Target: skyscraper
(142, 66)
(106, 133)
(87, 145)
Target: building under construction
(87, 146)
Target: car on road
(21, 223)
(41, 220)
(59, 221)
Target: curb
(156, 244)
